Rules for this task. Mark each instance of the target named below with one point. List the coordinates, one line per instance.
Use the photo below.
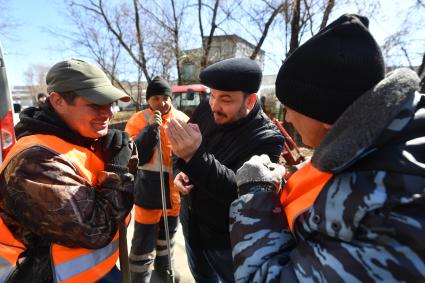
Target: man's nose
(107, 111)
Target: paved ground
(180, 254)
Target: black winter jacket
(212, 171)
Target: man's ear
(56, 101)
(252, 98)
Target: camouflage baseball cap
(85, 80)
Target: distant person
(41, 99)
(147, 128)
(220, 137)
(67, 183)
(355, 213)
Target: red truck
(187, 97)
(7, 134)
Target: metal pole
(123, 252)
(164, 208)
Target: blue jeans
(210, 266)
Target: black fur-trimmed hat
(232, 75)
(326, 74)
(158, 86)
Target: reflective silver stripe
(154, 167)
(164, 253)
(140, 268)
(164, 242)
(146, 114)
(5, 269)
(148, 256)
(83, 263)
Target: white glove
(156, 119)
(259, 172)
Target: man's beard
(239, 115)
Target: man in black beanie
(355, 212)
(220, 137)
(147, 128)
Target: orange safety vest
(70, 265)
(301, 191)
(134, 125)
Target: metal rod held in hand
(164, 206)
(123, 252)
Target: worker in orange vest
(67, 183)
(147, 128)
(355, 213)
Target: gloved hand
(115, 148)
(156, 119)
(259, 173)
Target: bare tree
(169, 16)
(214, 15)
(421, 73)
(7, 24)
(206, 41)
(115, 37)
(35, 79)
(261, 17)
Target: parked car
(7, 137)
(187, 97)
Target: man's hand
(156, 119)
(182, 183)
(185, 138)
(257, 172)
(115, 147)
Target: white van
(7, 132)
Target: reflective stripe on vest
(76, 270)
(301, 191)
(69, 264)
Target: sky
(32, 43)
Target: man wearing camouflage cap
(220, 137)
(67, 183)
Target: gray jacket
(368, 222)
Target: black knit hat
(325, 75)
(232, 75)
(158, 86)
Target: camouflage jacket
(43, 200)
(368, 222)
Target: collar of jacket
(45, 121)
(254, 111)
(357, 132)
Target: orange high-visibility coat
(301, 191)
(134, 125)
(70, 265)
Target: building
(222, 47)
(23, 96)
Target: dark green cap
(85, 80)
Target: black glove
(115, 149)
(156, 119)
(259, 173)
